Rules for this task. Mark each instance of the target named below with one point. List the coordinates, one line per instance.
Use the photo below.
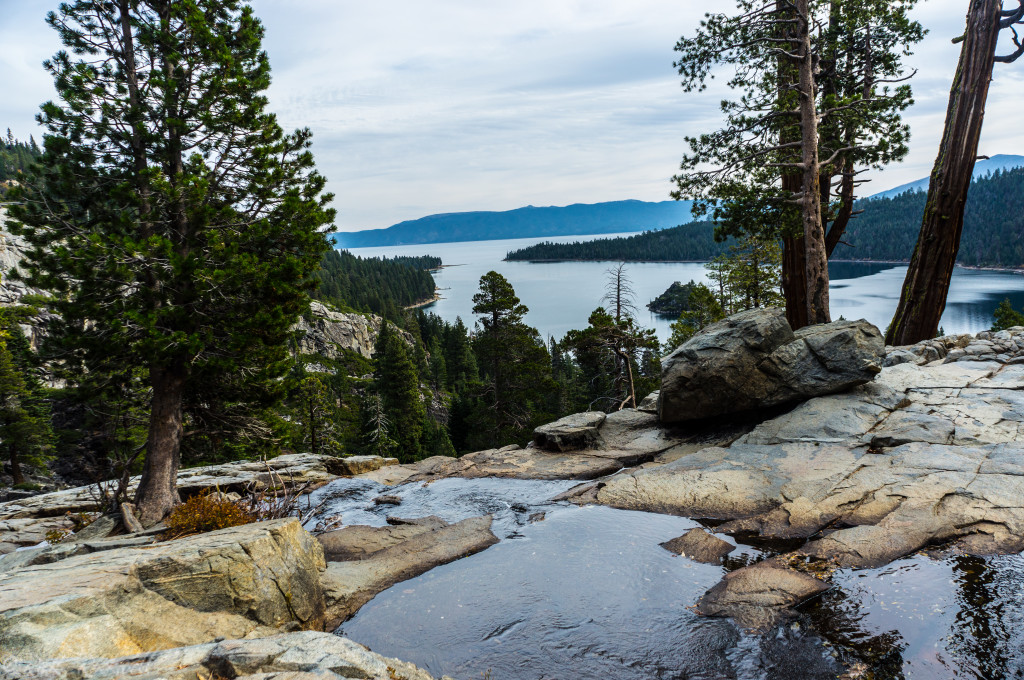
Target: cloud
(451, 105)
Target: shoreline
(424, 303)
(1014, 270)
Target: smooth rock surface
(293, 656)
(351, 584)
(235, 582)
(360, 542)
(754, 360)
(571, 433)
(756, 596)
(699, 545)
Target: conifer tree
(816, 105)
(397, 383)
(26, 437)
(924, 291)
(514, 364)
(175, 222)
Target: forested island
(885, 231)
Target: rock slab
(571, 433)
(241, 581)
(294, 656)
(699, 545)
(351, 584)
(754, 360)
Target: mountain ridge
(577, 219)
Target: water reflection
(561, 295)
(589, 593)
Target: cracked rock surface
(925, 455)
(243, 581)
(293, 656)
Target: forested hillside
(886, 230)
(993, 225)
(379, 285)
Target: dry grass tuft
(206, 512)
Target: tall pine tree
(396, 381)
(514, 364)
(176, 223)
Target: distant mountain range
(597, 218)
(578, 219)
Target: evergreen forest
(885, 231)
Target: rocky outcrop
(624, 439)
(293, 656)
(1006, 346)
(328, 333)
(247, 580)
(754, 360)
(380, 559)
(12, 250)
(578, 431)
(924, 455)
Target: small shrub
(28, 486)
(203, 513)
(55, 536)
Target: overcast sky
(430, 106)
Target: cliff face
(12, 250)
(328, 333)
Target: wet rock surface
(756, 596)
(924, 455)
(699, 545)
(248, 580)
(379, 559)
(754, 360)
(293, 656)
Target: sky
(422, 107)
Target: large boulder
(754, 360)
(295, 656)
(243, 581)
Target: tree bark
(816, 262)
(17, 476)
(794, 272)
(923, 299)
(158, 489)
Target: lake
(561, 295)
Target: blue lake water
(561, 295)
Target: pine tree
(514, 364)
(397, 383)
(923, 296)
(179, 229)
(1006, 316)
(25, 434)
(814, 107)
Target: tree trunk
(816, 263)
(158, 489)
(794, 273)
(923, 298)
(17, 476)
